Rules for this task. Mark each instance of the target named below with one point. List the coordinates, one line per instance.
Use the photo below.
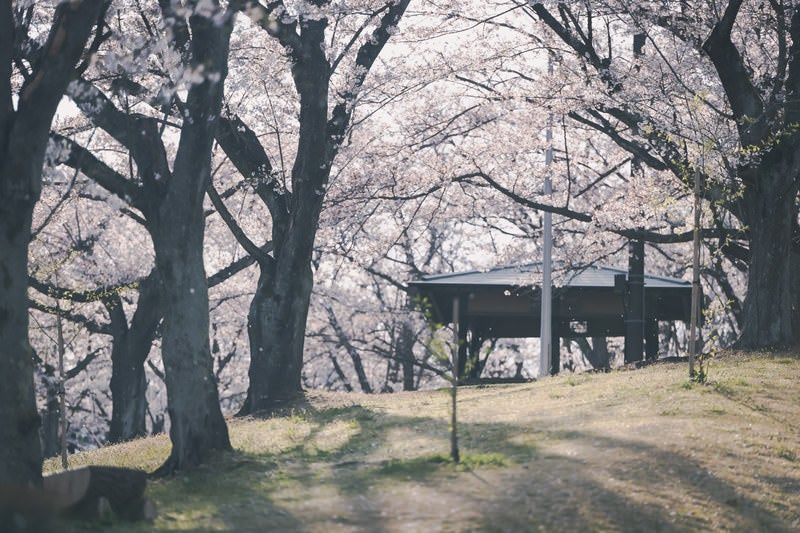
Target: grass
(632, 450)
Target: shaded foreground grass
(641, 450)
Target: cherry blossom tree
(171, 198)
(722, 110)
(277, 318)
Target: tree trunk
(595, 353)
(771, 287)
(23, 140)
(796, 289)
(277, 318)
(128, 394)
(196, 422)
(131, 346)
(197, 426)
(276, 326)
(51, 416)
(20, 449)
(404, 352)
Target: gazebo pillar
(634, 312)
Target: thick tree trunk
(20, 449)
(771, 286)
(196, 423)
(279, 310)
(23, 139)
(197, 426)
(276, 326)
(796, 291)
(131, 346)
(277, 319)
(128, 395)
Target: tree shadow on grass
(516, 479)
(663, 491)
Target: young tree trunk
(404, 352)
(50, 417)
(771, 286)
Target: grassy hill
(630, 450)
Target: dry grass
(641, 450)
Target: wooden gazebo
(592, 301)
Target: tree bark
(770, 204)
(23, 139)
(131, 346)
(276, 327)
(196, 424)
(404, 352)
(20, 449)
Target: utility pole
(546, 328)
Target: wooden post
(463, 352)
(62, 393)
(454, 453)
(545, 338)
(695, 277)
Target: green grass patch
(413, 468)
(787, 453)
(475, 460)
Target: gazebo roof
(506, 301)
(530, 275)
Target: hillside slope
(637, 450)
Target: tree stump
(24, 508)
(90, 491)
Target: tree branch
(93, 295)
(138, 133)
(91, 326)
(249, 246)
(98, 171)
(745, 100)
(236, 267)
(241, 145)
(569, 213)
(365, 58)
